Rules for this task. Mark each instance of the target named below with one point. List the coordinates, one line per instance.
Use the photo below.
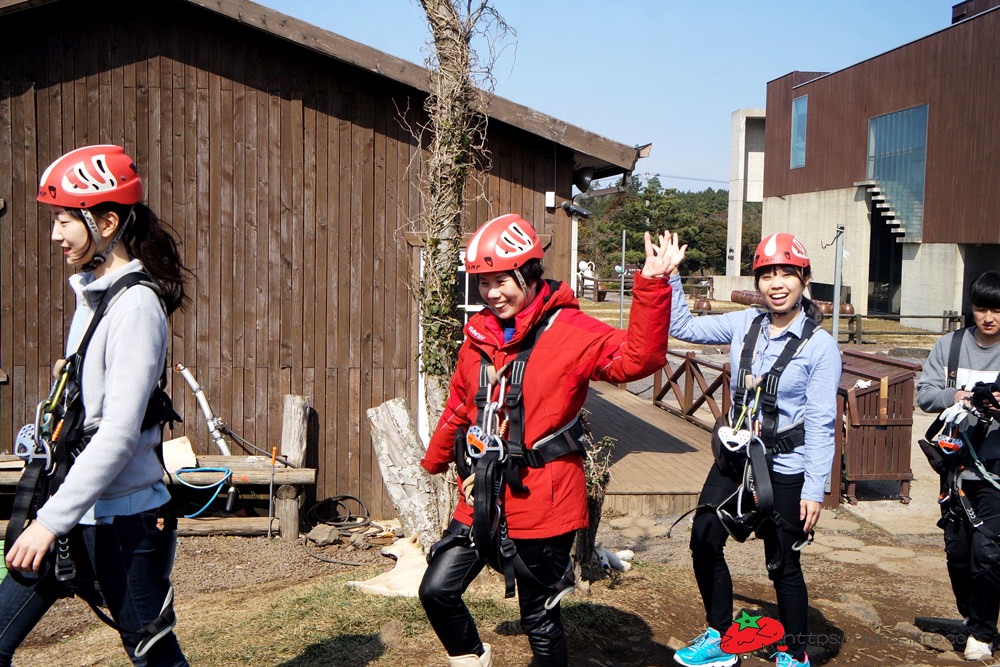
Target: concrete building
(900, 150)
(746, 177)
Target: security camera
(573, 209)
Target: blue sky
(664, 72)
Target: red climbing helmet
(502, 244)
(89, 176)
(780, 248)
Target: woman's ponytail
(149, 239)
(811, 310)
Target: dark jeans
(708, 541)
(452, 570)
(127, 564)
(974, 560)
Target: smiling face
(503, 294)
(72, 235)
(782, 287)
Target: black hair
(532, 271)
(811, 309)
(984, 291)
(151, 241)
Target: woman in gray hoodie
(106, 512)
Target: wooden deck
(659, 462)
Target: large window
(799, 111)
(897, 155)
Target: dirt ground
(649, 611)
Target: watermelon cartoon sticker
(751, 632)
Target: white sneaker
(977, 650)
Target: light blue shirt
(807, 389)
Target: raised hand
(662, 257)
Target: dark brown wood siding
(956, 72)
(289, 179)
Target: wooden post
(286, 511)
(294, 431)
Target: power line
(647, 175)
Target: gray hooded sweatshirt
(975, 364)
(119, 473)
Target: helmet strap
(795, 306)
(520, 281)
(101, 255)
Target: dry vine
(457, 153)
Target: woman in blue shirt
(799, 452)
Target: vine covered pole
(457, 140)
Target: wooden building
(899, 150)
(281, 155)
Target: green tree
(699, 218)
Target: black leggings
(708, 541)
(452, 570)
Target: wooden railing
(856, 332)
(682, 389)
(699, 287)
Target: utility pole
(837, 268)
(621, 289)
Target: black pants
(452, 570)
(126, 564)
(708, 541)
(974, 560)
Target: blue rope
(226, 476)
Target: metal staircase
(881, 208)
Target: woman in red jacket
(511, 425)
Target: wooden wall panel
(289, 180)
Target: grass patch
(326, 623)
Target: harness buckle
(949, 444)
(475, 442)
(29, 448)
(65, 568)
(734, 440)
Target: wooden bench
(247, 471)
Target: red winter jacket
(574, 350)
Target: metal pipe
(210, 419)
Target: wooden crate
(875, 402)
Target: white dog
(404, 578)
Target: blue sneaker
(704, 651)
(782, 659)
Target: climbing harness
(952, 441)
(753, 446)
(52, 444)
(494, 451)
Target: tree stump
(421, 501)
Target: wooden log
(417, 497)
(294, 429)
(246, 470)
(251, 526)
(286, 511)
(249, 470)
